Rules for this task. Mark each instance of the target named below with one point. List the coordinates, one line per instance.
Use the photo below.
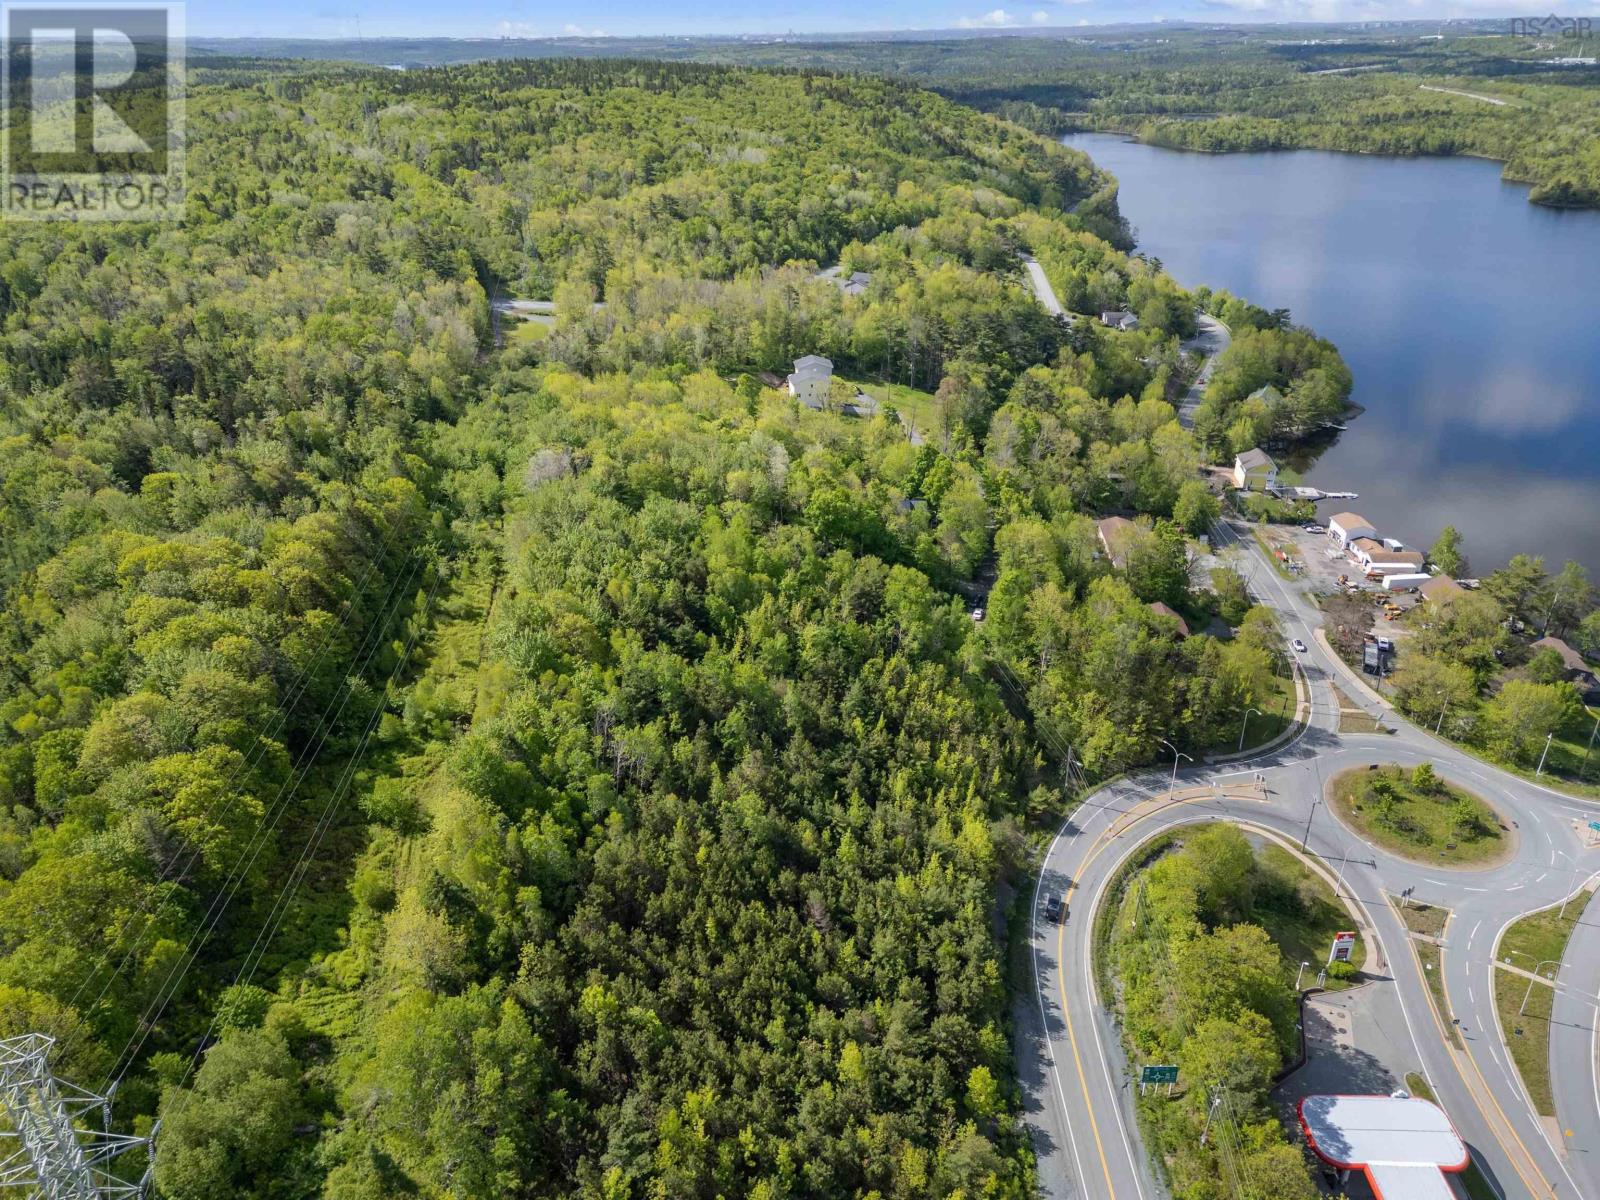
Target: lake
(1467, 316)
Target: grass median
(1536, 943)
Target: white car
(1299, 646)
(977, 614)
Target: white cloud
(516, 29)
(997, 18)
(1040, 17)
(572, 30)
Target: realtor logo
(93, 102)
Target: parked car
(977, 614)
(1315, 529)
(1299, 646)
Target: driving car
(1053, 907)
(1299, 646)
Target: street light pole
(1244, 724)
(1536, 978)
(1176, 755)
(1438, 725)
(1305, 838)
(1298, 974)
(1548, 738)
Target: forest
(1222, 88)
(440, 763)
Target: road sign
(1158, 1074)
(1595, 825)
(1343, 944)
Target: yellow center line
(1100, 843)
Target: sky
(624, 18)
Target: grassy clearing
(1424, 820)
(1535, 943)
(1303, 928)
(527, 331)
(1429, 919)
(1527, 1033)
(1352, 718)
(1542, 935)
(1432, 959)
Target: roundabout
(1072, 1066)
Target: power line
(59, 1157)
(253, 847)
(258, 751)
(286, 896)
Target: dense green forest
(1364, 90)
(437, 763)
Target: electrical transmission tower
(59, 1156)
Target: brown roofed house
(1166, 610)
(1579, 673)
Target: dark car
(1053, 908)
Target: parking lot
(1312, 557)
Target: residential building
(1166, 610)
(1579, 673)
(1119, 320)
(810, 381)
(1346, 527)
(1254, 471)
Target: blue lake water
(1468, 316)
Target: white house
(810, 381)
(1347, 527)
(1119, 320)
(1254, 471)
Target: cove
(1467, 315)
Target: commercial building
(1346, 527)
(1404, 1146)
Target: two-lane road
(1070, 1052)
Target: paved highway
(1077, 1094)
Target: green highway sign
(1158, 1075)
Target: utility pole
(58, 1156)
(1548, 738)
(1305, 838)
(1440, 723)
(1584, 770)
(1216, 1102)
(1244, 724)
